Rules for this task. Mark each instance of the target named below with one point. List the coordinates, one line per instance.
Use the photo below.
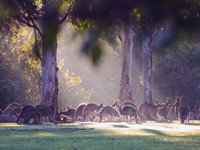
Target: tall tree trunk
(147, 66)
(49, 93)
(127, 48)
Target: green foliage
(177, 69)
(19, 69)
(72, 89)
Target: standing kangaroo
(69, 114)
(183, 112)
(108, 111)
(128, 111)
(79, 112)
(125, 103)
(90, 111)
(27, 113)
(176, 106)
(148, 111)
(164, 109)
(44, 111)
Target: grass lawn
(101, 136)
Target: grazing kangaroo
(27, 113)
(90, 111)
(128, 111)
(148, 111)
(79, 112)
(44, 111)
(183, 112)
(108, 111)
(69, 114)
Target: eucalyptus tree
(144, 17)
(44, 17)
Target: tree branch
(36, 27)
(154, 33)
(25, 22)
(65, 16)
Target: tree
(126, 74)
(44, 17)
(145, 14)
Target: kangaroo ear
(67, 108)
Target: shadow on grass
(155, 132)
(193, 124)
(120, 126)
(95, 139)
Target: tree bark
(147, 67)
(127, 48)
(49, 93)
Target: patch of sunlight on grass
(8, 124)
(122, 132)
(45, 134)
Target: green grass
(99, 136)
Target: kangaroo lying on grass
(90, 111)
(108, 111)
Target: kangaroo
(14, 105)
(128, 111)
(90, 111)
(148, 111)
(12, 109)
(108, 111)
(79, 112)
(116, 104)
(69, 114)
(27, 113)
(164, 109)
(176, 106)
(44, 111)
(7, 111)
(183, 112)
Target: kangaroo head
(115, 104)
(101, 105)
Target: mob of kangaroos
(118, 112)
